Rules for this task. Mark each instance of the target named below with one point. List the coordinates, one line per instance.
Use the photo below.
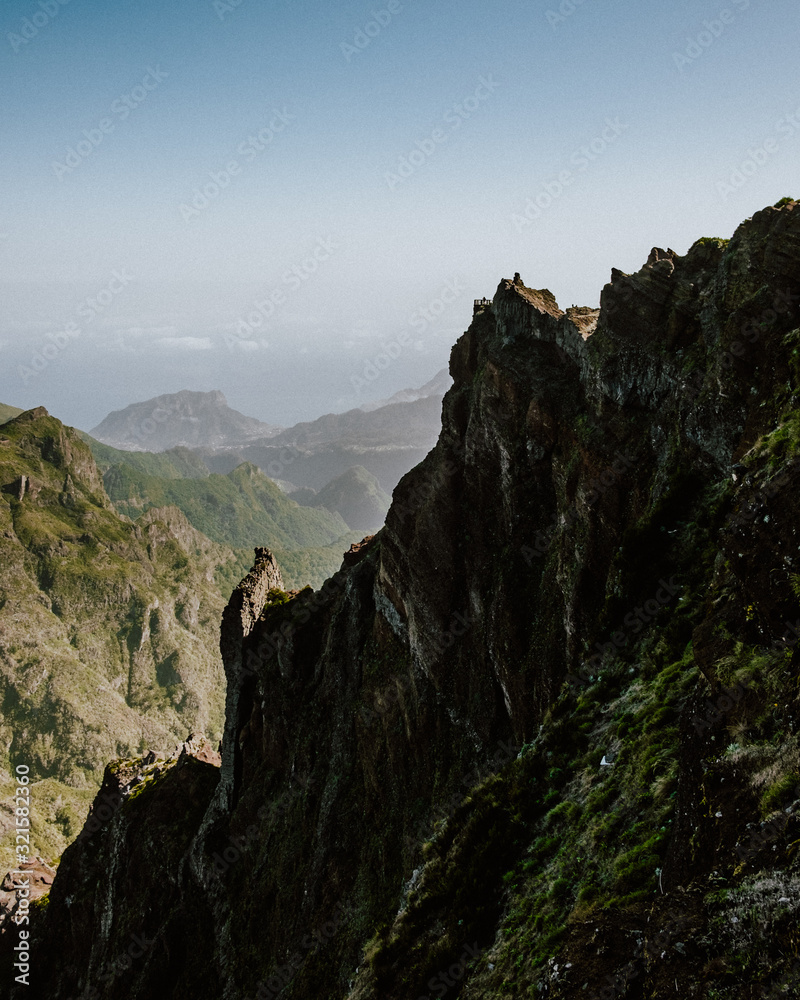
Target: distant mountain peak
(437, 386)
(181, 419)
(355, 494)
(212, 396)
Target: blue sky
(381, 151)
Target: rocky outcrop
(140, 828)
(357, 551)
(38, 435)
(240, 616)
(35, 876)
(484, 760)
(21, 487)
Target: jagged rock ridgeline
(479, 760)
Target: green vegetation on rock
(8, 412)
(110, 630)
(243, 509)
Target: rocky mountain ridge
(387, 442)
(241, 508)
(538, 737)
(108, 629)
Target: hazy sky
(263, 197)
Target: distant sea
(290, 372)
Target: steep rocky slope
(108, 630)
(537, 738)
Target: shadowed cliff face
(585, 517)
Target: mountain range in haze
(385, 438)
(182, 419)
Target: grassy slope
(109, 632)
(243, 509)
(358, 497)
(177, 463)
(8, 412)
